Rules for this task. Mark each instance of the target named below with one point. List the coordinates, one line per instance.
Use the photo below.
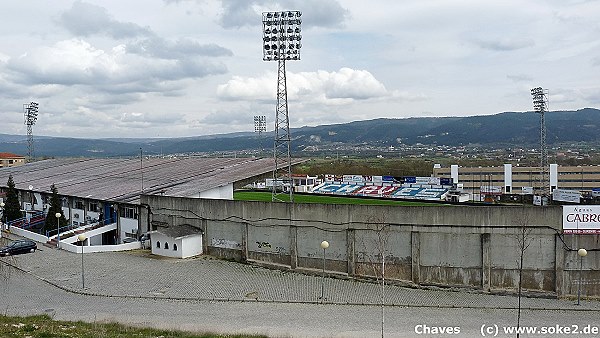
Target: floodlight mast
(260, 126)
(540, 106)
(282, 42)
(30, 112)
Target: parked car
(18, 247)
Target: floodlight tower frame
(540, 106)
(30, 113)
(282, 42)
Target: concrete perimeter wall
(450, 246)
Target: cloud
(341, 87)
(504, 44)
(181, 48)
(84, 19)
(316, 13)
(519, 77)
(77, 63)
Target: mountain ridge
(506, 128)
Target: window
(128, 212)
(158, 244)
(93, 207)
(78, 204)
(174, 247)
(166, 245)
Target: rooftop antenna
(30, 112)
(282, 42)
(142, 168)
(540, 106)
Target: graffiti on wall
(266, 246)
(224, 243)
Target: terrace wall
(451, 246)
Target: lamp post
(2, 218)
(324, 245)
(81, 238)
(57, 215)
(582, 253)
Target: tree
(12, 208)
(55, 206)
(375, 253)
(524, 239)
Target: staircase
(52, 242)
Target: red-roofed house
(11, 160)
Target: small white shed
(179, 242)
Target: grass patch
(43, 326)
(265, 196)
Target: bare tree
(524, 239)
(376, 258)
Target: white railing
(28, 234)
(100, 248)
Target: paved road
(212, 295)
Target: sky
(178, 68)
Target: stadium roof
(120, 180)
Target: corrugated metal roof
(120, 180)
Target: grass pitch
(265, 196)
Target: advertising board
(562, 195)
(490, 190)
(527, 190)
(581, 219)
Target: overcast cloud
(152, 68)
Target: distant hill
(509, 128)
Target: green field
(265, 196)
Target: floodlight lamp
(269, 15)
(298, 14)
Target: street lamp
(324, 245)
(81, 239)
(57, 215)
(2, 218)
(582, 253)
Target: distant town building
(11, 160)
